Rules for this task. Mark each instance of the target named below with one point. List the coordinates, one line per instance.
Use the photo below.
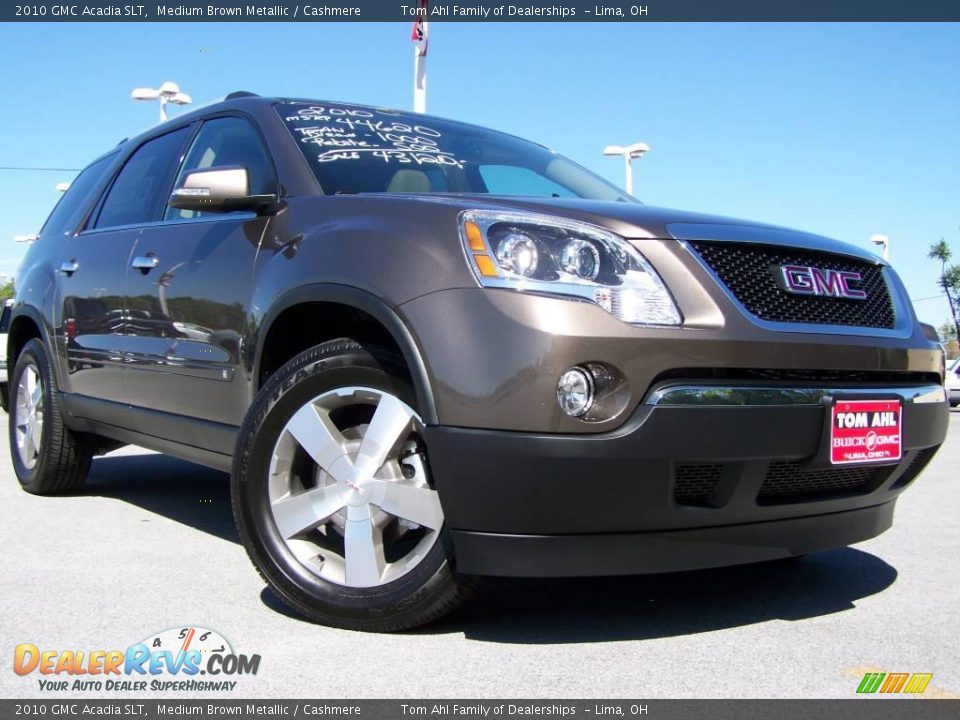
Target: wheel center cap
(357, 496)
(344, 472)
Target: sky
(845, 130)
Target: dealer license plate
(866, 431)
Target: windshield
(364, 150)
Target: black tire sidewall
(303, 379)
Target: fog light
(575, 391)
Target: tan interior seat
(409, 181)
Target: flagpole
(420, 74)
(421, 39)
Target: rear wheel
(333, 496)
(47, 457)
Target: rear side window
(140, 189)
(68, 212)
(224, 142)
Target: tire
(312, 520)
(47, 457)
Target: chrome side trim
(729, 395)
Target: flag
(419, 34)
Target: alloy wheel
(29, 416)
(349, 490)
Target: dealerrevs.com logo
(184, 658)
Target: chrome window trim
(238, 215)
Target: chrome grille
(749, 272)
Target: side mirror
(221, 189)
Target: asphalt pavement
(149, 544)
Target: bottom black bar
(859, 708)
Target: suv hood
(638, 222)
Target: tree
(949, 279)
(948, 336)
(7, 290)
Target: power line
(38, 169)
(933, 297)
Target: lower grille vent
(789, 481)
(695, 483)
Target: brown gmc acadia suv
(428, 351)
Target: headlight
(539, 253)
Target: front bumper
(494, 356)
(668, 551)
(678, 486)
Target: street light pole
(629, 152)
(169, 92)
(628, 173)
(884, 242)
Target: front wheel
(333, 497)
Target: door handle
(145, 263)
(69, 267)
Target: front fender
(370, 304)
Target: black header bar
(484, 11)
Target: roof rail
(240, 94)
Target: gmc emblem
(805, 280)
